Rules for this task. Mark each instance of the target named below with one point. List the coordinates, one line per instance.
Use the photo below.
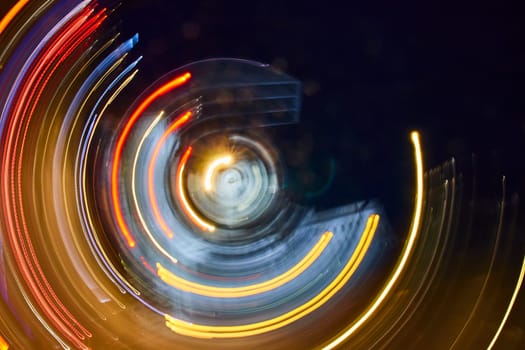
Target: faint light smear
(245, 330)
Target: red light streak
(151, 193)
(70, 38)
(86, 28)
(117, 208)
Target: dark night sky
(371, 74)
(383, 66)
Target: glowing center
(229, 184)
(212, 168)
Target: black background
(372, 72)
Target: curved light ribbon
(236, 292)
(115, 196)
(407, 250)
(208, 331)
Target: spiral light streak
(407, 250)
(207, 332)
(88, 221)
(120, 143)
(21, 243)
(10, 15)
(192, 215)
(212, 167)
(519, 284)
(153, 199)
(94, 81)
(179, 213)
(134, 190)
(238, 292)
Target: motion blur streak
(111, 271)
(39, 66)
(407, 250)
(221, 161)
(206, 331)
(134, 189)
(178, 81)
(184, 118)
(238, 292)
(199, 207)
(9, 17)
(114, 59)
(73, 29)
(490, 269)
(43, 322)
(511, 304)
(181, 194)
(3, 344)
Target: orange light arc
(115, 197)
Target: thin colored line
(12, 14)
(181, 194)
(235, 292)
(151, 169)
(407, 251)
(207, 331)
(172, 84)
(511, 305)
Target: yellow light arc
(134, 172)
(11, 15)
(510, 306)
(194, 217)
(208, 331)
(406, 253)
(212, 167)
(237, 292)
(3, 344)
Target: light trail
(85, 209)
(181, 195)
(406, 253)
(208, 331)
(19, 237)
(237, 292)
(115, 87)
(111, 271)
(117, 154)
(12, 14)
(174, 126)
(134, 190)
(212, 167)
